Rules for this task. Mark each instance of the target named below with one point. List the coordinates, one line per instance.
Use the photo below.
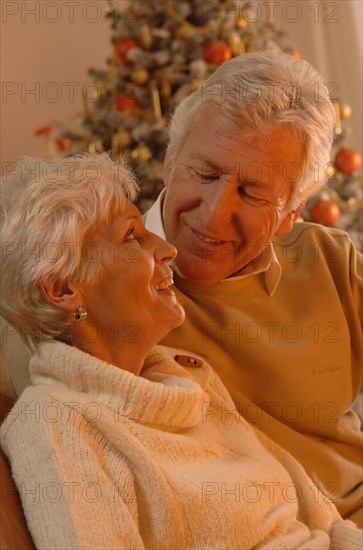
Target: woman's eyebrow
(124, 226)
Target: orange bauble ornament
(127, 103)
(122, 48)
(326, 212)
(64, 144)
(348, 161)
(217, 52)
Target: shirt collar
(266, 262)
(153, 218)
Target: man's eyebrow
(256, 183)
(197, 156)
(223, 168)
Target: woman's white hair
(50, 212)
(259, 91)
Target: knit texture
(104, 459)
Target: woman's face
(132, 302)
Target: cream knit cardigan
(104, 459)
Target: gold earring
(80, 314)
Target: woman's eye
(130, 236)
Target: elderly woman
(120, 444)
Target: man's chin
(200, 277)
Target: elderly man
(272, 305)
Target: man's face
(227, 195)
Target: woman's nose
(164, 251)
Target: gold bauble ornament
(140, 76)
(96, 146)
(331, 171)
(241, 23)
(345, 110)
(121, 140)
(141, 153)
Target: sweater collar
(163, 395)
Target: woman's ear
(61, 295)
(288, 222)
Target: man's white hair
(50, 212)
(262, 90)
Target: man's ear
(288, 222)
(167, 168)
(60, 295)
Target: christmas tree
(339, 202)
(163, 50)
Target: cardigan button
(188, 361)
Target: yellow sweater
(291, 358)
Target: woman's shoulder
(38, 409)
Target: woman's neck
(127, 352)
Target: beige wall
(51, 58)
(329, 35)
(48, 46)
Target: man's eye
(204, 176)
(250, 198)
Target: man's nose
(219, 204)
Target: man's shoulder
(314, 249)
(311, 232)
(314, 241)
